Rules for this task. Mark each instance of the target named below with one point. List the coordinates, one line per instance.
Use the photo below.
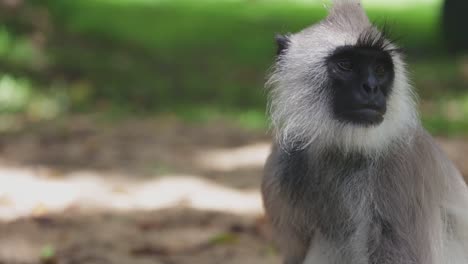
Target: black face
(361, 80)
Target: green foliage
(160, 55)
(201, 59)
(447, 116)
(14, 94)
(224, 238)
(18, 50)
(18, 96)
(438, 76)
(250, 118)
(48, 255)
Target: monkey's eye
(380, 70)
(345, 65)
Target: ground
(148, 190)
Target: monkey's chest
(369, 214)
(361, 208)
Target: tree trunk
(455, 23)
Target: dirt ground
(86, 191)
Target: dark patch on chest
(316, 184)
(387, 247)
(306, 176)
(382, 239)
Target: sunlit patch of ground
(25, 192)
(229, 159)
(132, 165)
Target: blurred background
(134, 131)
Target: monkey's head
(341, 83)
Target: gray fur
(338, 193)
(367, 210)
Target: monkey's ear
(282, 43)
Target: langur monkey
(353, 177)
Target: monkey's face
(340, 82)
(360, 83)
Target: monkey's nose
(370, 88)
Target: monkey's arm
(456, 208)
(287, 221)
(453, 204)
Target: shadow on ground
(164, 236)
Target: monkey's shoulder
(283, 164)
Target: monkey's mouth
(366, 116)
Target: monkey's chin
(365, 117)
